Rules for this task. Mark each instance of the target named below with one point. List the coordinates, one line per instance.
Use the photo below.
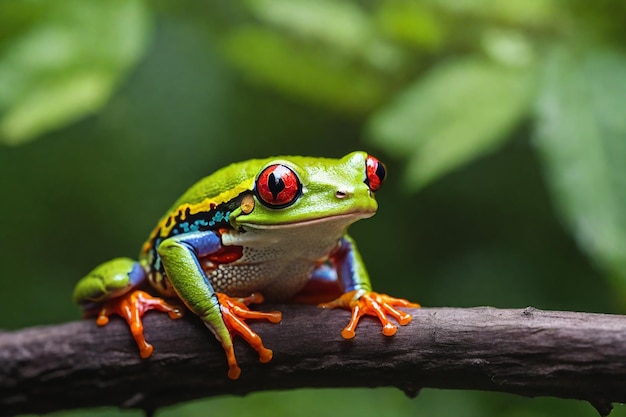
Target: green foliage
(506, 117)
(325, 51)
(63, 60)
(458, 111)
(581, 133)
(270, 58)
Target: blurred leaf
(328, 52)
(581, 134)
(342, 27)
(412, 23)
(19, 15)
(600, 20)
(342, 24)
(459, 111)
(65, 62)
(508, 47)
(511, 12)
(311, 72)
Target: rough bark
(527, 352)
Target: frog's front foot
(371, 303)
(132, 306)
(234, 312)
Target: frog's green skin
(222, 236)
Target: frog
(268, 229)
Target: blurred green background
(502, 125)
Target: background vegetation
(502, 125)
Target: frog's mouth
(346, 218)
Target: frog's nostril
(341, 194)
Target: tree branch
(527, 352)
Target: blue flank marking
(157, 262)
(193, 227)
(196, 225)
(219, 217)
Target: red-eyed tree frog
(254, 230)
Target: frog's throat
(347, 217)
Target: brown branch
(526, 352)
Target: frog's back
(219, 186)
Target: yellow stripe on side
(204, 205)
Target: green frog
(264, 229)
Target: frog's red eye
(277, 186)
(374, 173)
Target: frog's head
(305, 191)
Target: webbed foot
(374, 304)
(235, 312)
(132, 306)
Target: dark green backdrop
(108, 113)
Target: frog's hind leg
(112, 288)
(108, 280)
(235, 312)
(223, 315)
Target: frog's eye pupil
(375, 173)
(277, 186)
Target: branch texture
(527, 352)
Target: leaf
(459, 111)
(308, 72)
(337, 23)
(581, 136)
(327, 52)
(341, 27)
(412, 23)
(65, 62)
(531, 13)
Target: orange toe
(372, 304)
(235, 312)
(132, 306)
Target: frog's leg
(111, 288)
(220, 313)
(359, 296)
